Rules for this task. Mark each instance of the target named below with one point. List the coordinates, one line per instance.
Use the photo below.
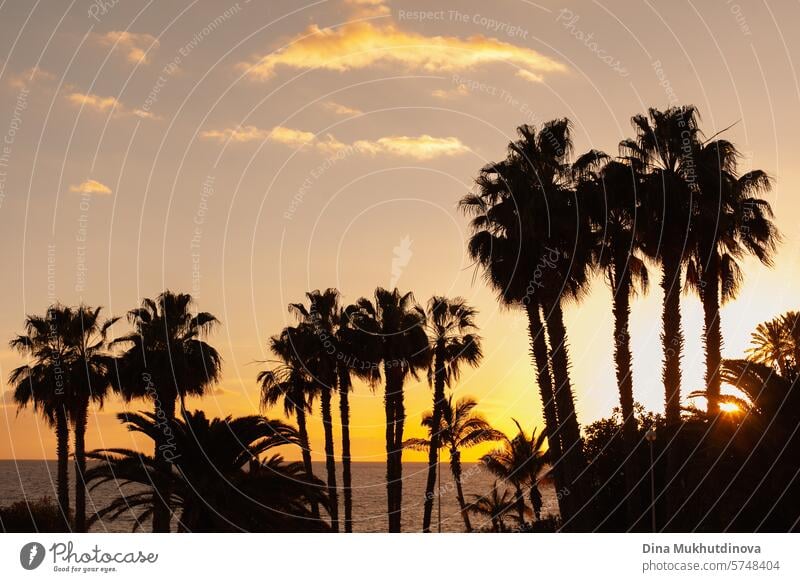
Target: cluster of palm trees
(544, 224)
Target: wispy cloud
(358, 45)
(340, 109)
(30, 77)
(448, 94)
(422, 147)
(365, 8)
(91, 187)
(106, 104)
(137, 46)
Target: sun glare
(729, 407)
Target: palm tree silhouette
(71, 370)
(289, 382)
(732, 220)
(394, 327)
(167, 360)
(460, 428)
(534, 246)
(497, 506)
(316, 346)
(519, 462)
(453, 342)
(217, 480)
(610, 191)
(658, 152)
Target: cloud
(422, 147)
(448, 94)
(367, 8)
(91, 187)
(358, 45)
(340, 109)
(105, 104)
(31, 76)
(528, 76)
(136, 46)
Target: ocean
(32, 480)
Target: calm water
(36, 479)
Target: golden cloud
(135, 45)
(91, 187)
(447, 94)
(104, 104)
(366, 8)
(358, 45)
(31, 76)
(423, 147)
(340, 109)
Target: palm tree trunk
(344, 410)
(330, 460)
(569, 430)
(80, 468)
(545, 381)
(399, 420)
(165, 413)
(62, 453)
(709, 295)
(520, 502)
(621, 307)
(672, 337)
(433, 451)
(455, 465)
(389, 407)
(305, 447)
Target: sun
(729, 407)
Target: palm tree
(773, 345)
(166, 360)
(496, 506)
(732, 221)
(460, 428)
(290, 383)
(662, 152)
(395, 326)
(519, 462)
(610, 190)
(316, 347)
(218, 481)
(453, 342)
(43, 383)
(535, 246)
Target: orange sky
(246, 154)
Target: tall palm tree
(395, 325)
(519, 462)
(316, 346)
(166, 360)
(610, 190)
(534, 245)
(289, 382)
(219, 481)
(497, 506)
(453, 343)
(42, 383)
(732, 221)
(773, 345)
(662, 150)
(460, 428)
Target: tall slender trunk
(80, 467)
(672, 336)
(536, 500)
(344, 410)
(455, 465)
(544, 379)
(305, 447)
(62, 454)
(399, 420)
(433, 450)
(330, 460)
(390, 409)
(565, 405)
(709, 295)
(520, 503)
(621, 308)
(163, 454)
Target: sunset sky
(247, 152)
